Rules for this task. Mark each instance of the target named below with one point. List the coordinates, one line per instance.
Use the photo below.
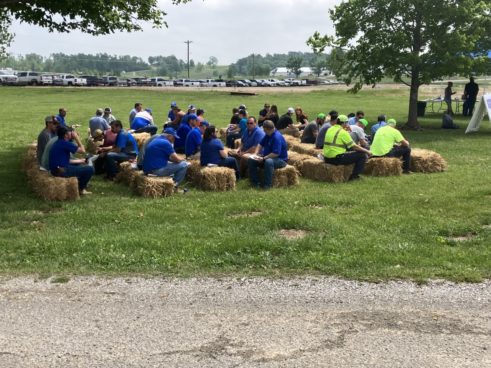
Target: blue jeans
(270, 164)
(83, 173)
(231, 163)
(112, 160)
(175, 169)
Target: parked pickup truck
(212, 83)
(7, 77)
(28, 78)
(186, 83)
(160, 82)
(68, 80)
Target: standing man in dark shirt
(286, 120)
(470, 95)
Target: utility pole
(253, 66)
(188, 42)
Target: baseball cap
(173, 104)
(149, 110)
(321, 116)
(291, 110)
(191, 107)
(192, 117)
(392, 122)
(364, 122)
(171, 131)
(343, 118)
(99, 111)
(205, 123)
(242, 107)
(242, 112)
(107, 109)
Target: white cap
(291, 110)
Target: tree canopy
(95, 17)
(413, 41)
(294, 63)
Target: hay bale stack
(292, 131)
(316, 169)
(153, 187)
(124, 173)
(193, 171)
(285, 177)
(217, 179)
(383, 166)
(426, 161)
(296, 159)
(290, 141)
(30, 157)
(141, 138)
(306, 149)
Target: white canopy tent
(479, 112)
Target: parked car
(140, 81)
(92, 80)
(190, 83)
(46, 80)
(249, 83)
(68, 80)
(7, 77)
(109, 81)
(28, 78)
(160, 82)
(212, 83)
(293, 82)
(277, 82)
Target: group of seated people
(188, 136)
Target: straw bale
(193, 172)
(296, 159)
(290, 140)
(141, 138)
(294, 132)
(306, 149)
(316, 169)
(383, 166)
(217, 179)
(154, 187)
(237, 143)
(222, 134)
(30, 157)
(72, 192)
(124, 174)
(426, 161)
(285, 177)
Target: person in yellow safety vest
(391, 143)
(339, 148)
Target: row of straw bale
(143, 185)
(216, 179)
(45, 185)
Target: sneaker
(407, 172)
(85, 192)
(90, 160)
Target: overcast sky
(226, 29)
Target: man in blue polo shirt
(194, 139)
(250, 140)
(98, 122)
(271, 153)
(124, 149)
(60, 118)
(182, 133)
(160, 159)
(380, 123)
(59, 159)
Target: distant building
(285, 72)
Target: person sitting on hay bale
(143, 122)
(311, 131)
(336, 146)
(301, 117)
(98, 122)
(263, 114)
(46, 135)
(285, 120)
(138, 107)
(60, 163)
(174, 116)
(160, 158)
(183, 131)
(271, 153)
(357, 133)
(321, 137)
(380, 123)
(213, 152)
(235, 131)
(389, 142)
(194, 139)
(108, 115)
(125, 149)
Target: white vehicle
(160, 82)
(46, 80)
(68, 80)
(28, 78)
(277, 82)
(212, 83)
(7, 77)
(266, 83)
(190, 83)
(293, 82)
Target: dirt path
(308, 322)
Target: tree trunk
(412, 120)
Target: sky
(226, 29)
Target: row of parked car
(46, 79)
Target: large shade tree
(413, 41)
(95, 17)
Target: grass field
(375, 229)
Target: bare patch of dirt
(462, 238)
(315, 206)
(486, 227)
(246, 214)
(292, 234)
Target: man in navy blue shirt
(160, 159)
(271, 153)
(124, 149)
(59, 159)
(193, 140)
(213, 152)
(182, 133)
(60, 118)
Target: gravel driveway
(256, 322)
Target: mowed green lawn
(374, 229)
